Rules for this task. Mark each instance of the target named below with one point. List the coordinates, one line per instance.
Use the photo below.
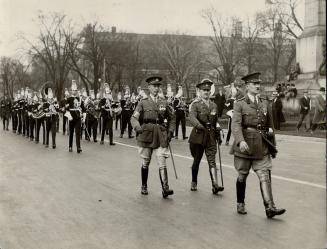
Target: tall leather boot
(164, 183)
(194, 182)
(144, 176)
(266, 192)
(214, 179)
(240, 194)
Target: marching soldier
(180, 113)
(154, 123)
(5, 111)
(205, 134)
(75, 114)
(50, 107)
(254, 144)
(107, 114)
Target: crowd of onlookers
(284, 101)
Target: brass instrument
(91, 108)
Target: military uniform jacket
(75, 106)
(106, 107)
(248, 121)
(207, 116)
(151, 116)
(6, 108)
(48, 111)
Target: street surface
(53, 199)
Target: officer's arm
(237, 123)
(192, 115)
(270, 123)
(171, 118)
(136, 115)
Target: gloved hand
(200, 127)
(138, 129)
(218, 136)
(170, 135)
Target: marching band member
(5, 111)
(51, 108)
(33, 111)
(180, 112)
(63, 103)
(118, 111)
(92, 116)
(40, 119)
(107, 114)
(126, 114)
(75, 114)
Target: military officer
(254, 144)
(204, 135)
(154, 123)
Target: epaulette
(237, 100)
(264, 98)
(196, 100)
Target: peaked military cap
(204, 84)
(154, 80)
(252, 78)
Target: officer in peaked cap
(154, 123)
(154, 80)
(205, 134)
(254, 144)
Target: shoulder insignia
(237, 100)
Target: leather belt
(152, 121)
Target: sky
(139, 16)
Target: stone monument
(309, 46)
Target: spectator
(277, 110)
(320, 108)
(220, 100)
(304, 112)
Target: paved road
(53, 199)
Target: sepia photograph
(161, 124)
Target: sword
(172, 159)
(221, 171)
(87, 133)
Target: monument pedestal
(309, 46)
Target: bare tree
(181, 56)
(251, 43)
(226, 42)
(286, 11)
(13, 75)
(279, 44)
(53, 48)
